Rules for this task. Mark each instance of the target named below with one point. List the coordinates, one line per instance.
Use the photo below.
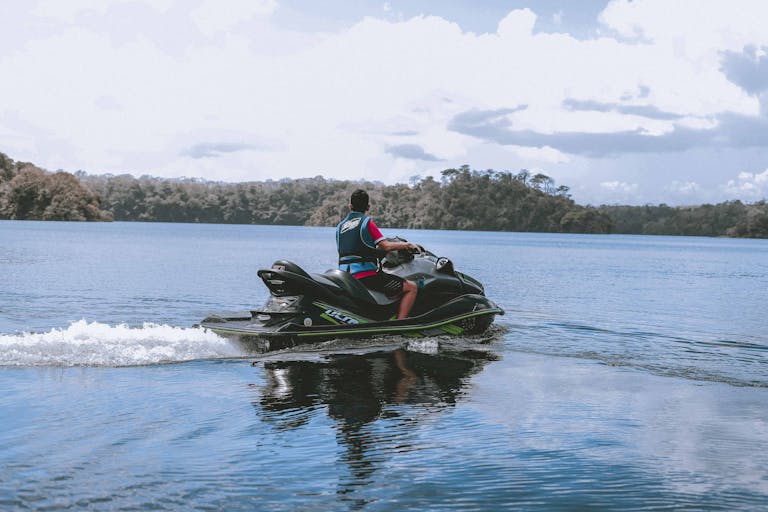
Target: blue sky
(643, 101)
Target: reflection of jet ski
(355, 386)
(370, 401)
(306, 307)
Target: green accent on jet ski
(344, 314)
(326, 317)
(452, 329)
(400, 328)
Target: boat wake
(85, 343)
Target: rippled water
(629, 373)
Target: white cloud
(213, 17)
(69, 10)
(690, 27)
(517, 25)
(619, 186)
(609, 192)
(543, 154)
(683, 187)
(693, 35)
(749, 185)
(284, 103)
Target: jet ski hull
(466, 314)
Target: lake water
(629, 373)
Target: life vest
(357, 251)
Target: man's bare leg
(409, 298)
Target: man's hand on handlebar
(414, 248)
(392, 245)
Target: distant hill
(462, 199)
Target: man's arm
(384, 244)
(387, 245)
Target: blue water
(629, 373)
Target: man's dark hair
(359, 200)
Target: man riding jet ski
(360, 243)
(303, 307)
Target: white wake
(96, 344)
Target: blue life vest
(357, 251)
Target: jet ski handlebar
(400, 256)
(416, 249)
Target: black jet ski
(305, 307)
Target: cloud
(107, 102)
(217, 149)
(517, 25)
(751, 185)
(730, 130)
(707, 25)
(71, 10)
(496, 127)
(213, 17)
(173, 88)
(684, 188)
(748, 69)
(411, 152)
(477, 118)
(648, 111)
(619, 186)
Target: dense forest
(28, 192)
(463, 199)
(731, 218)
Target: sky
(625, 102)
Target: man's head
(359, 201)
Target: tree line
(28, 192)
(462, 199)
(730, 218)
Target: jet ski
(304, 307)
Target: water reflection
(375, 400)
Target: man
(358, 239)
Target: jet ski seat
(290, 267)
(356, 290)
